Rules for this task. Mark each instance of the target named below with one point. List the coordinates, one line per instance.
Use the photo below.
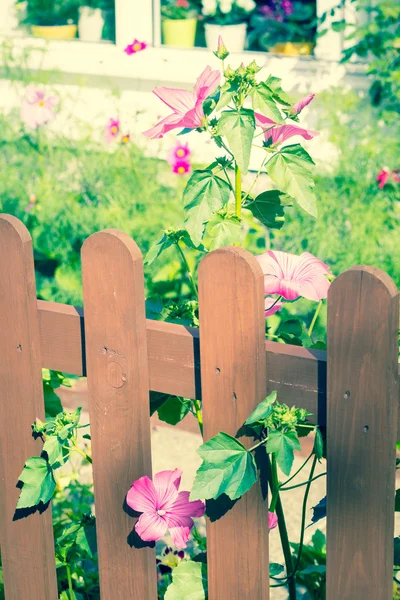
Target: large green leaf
(52, 403)
(223, 230)
(290, 169)
(238, 127)
(38, 480)
(158, 248)
(189, 582)
(274, 84)
(262, 410)
(264, 102)
(227, 468)
(268, 208)
(283, 444)
(174, 410)
(53, 448)
(205, 194)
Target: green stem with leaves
(315, 317)
(188, 270)
(69, 578)
(303, 514)
(199, 416)
(238, 191)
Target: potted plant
(228, 18)
(91, 21)
(179, 23)
(285, 27)
(51, 19)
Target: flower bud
(229, 73)
(222, 51)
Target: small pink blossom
(178, 152)
(111, 130)
(181, 167)
(182, 3)
(272, 520)
(298, 107)
(37, 108)
(272, 305)
(187, 106)
(163, 507)
(386, 175)
(281, 133)
(135, 47)
(292, 276)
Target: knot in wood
(115, 374)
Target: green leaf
(269, 206)
(238, 127)
(154, 307)
(38, 480)
(290, 169)
(274, 84)
(313, 570)
(224, 230)
(86, 540)
(189, 582)
(156, 249)
(205, 194)
(157, 399)
(52, 447)
(283, 444)
(224, 99)
(67, 596)
(227, 468)
(52, 403)
(396, 556)
(275, 569)
(173, 410)
(264, 102)
(319, 541)
(397, 501)
(318, 444)
(262, 410)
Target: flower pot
(234, 36)
(293, 48)
(179, 32)
(90, 24)
(54, 32)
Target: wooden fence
(231, 368)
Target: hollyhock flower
(169, 559)
(272, 520)
(111, 130)
(272, 305)
(178, 152)
(187, 106)
(292, 276)
(280, 133)
(386, 175)
(180, 167)
(163, 507)
(298, 107)
(37, 108)
(135, 47)
(287, 7)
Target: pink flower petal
(263, 122)
(207, 82)
(179, 529)
(170, 122)
(142, 496)
(281, 133)
(182, 507)
(272, 306)
(298, 107)
(272, 520)
(179, 100)
(166, 484)
(151, 527)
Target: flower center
(181, 169)
(41, 103)
(114, 129)
(137, 47)
(180, 153)
(161, 512)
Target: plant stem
(254, 181)
(303, 515)
(187, 269)
(275, 484)
(238, 191)
(70, 588)
(284, 536)
(259, 444)
(297, 472)
(315, 317)
(292, 487)
(81, 452)
(199, 416)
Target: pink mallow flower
(298, 107)
(385, 176)
(37, 108)
(181, 167)
(163, 507)
(187, 106)
(281, 133)
(292, 276)
(111, 130)
(135, 47)
(272, 520)
(178, 152)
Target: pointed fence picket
(228, 365)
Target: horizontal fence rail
(229, 366)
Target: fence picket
(118, 382)
(27, 547)
(233, 377)
(363, 320)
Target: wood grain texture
(27, 546)
(233, 375)
(363, 320)
(118, 384)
